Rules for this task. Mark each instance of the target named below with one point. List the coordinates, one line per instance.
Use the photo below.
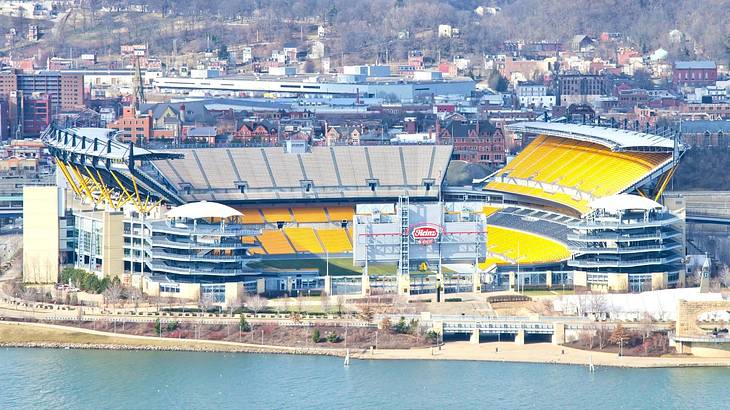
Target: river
(86, 379)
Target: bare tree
(646, 327)
(582, 305)
(367, 313)
(134, 295)
(256, 303)
(598, 304)
(324, 302)
(206, 302)
(113, 293)
(602, 334)
(340, 304)
(723, 275)
(300, 302)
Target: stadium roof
(271, 174)
(615, 139)
(203, 209)
(96, 143)
(622, 202)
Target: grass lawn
(19, 333)
(338, 266)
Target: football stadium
(577, 207)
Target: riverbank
(37, 335)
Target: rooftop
(705, 65)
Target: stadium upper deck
(568, 165)
(338, 173)
(98, 166)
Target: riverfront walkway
(44, 335)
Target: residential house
(200, 135)
(259, 132)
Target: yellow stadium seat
(590, 168)
(524, 247)
(252, 216)
(274, 242)
(488, 210)
(335, 240)
(274, 215)
(309, 215)
(304, 240)
(340, 213)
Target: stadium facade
(218, 222)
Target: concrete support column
(512, 281)
(476, 283)
(260, 286)
(404, 284)
(558, 333)
(549, 279)
(365, 284)
(474, 339)
(520, 337)
(328, 284)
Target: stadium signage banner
(425, 234)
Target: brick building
(474, 141)
(706, 134)
(133, 127)
(65, 90)
(694, 73)
(582, 88)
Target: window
(169, 288)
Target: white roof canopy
(203, 209)
(622, 202)
(616, 139)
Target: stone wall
(688, 311)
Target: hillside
(362, 31)
(703, 169)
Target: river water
(84, 379)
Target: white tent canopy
(203, 209)
(622, 202)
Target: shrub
(315, 335)
(332, 337)
(432, 336)
(172, 326)
(402, 326)
(243, 324)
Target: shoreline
(32, 335)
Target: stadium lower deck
(529, 236)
